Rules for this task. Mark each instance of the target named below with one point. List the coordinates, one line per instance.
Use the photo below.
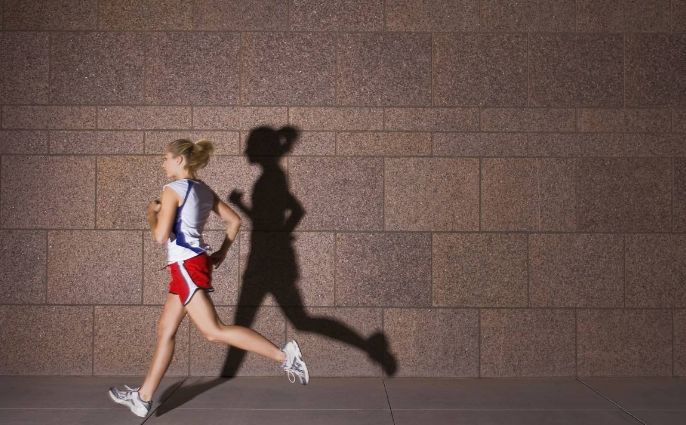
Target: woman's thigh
(173, 313)
(201, 311)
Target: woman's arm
(232, 222)
(160, 215)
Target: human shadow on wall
(272, 265)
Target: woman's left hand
(217, 257)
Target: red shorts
(194, 273)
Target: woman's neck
(186, 175)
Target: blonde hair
(197, 154)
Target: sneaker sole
(124, 403)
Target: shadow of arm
(297, 213)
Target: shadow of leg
(245, 316)
(180, 395)
(376, 346)
(249, 302)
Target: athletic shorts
(189, 275)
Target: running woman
(178, 219)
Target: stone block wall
(497, 186)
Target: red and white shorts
(189, 275)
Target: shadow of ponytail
(287, 136)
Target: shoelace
(295, 366)
(128, 394)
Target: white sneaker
(294, 364)
(131, 399)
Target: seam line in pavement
(152, 413)
(611, 401)
(383, 381)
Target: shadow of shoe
(378, 351)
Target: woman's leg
(201, 311)
(170, 319)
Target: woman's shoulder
(182, 185)
(176, 184)
(179, 186)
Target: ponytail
(200, 155)
(197, 154)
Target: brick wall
(497, 186)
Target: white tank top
(185, 240)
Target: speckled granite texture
(480, 188)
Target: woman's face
(172, 165)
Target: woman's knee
(204, 317)
(166, 335)
(212, 333)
